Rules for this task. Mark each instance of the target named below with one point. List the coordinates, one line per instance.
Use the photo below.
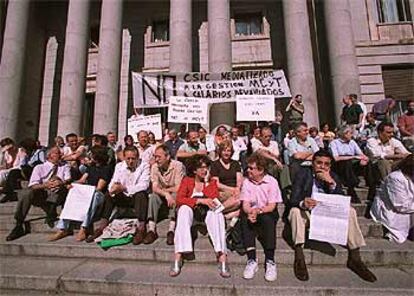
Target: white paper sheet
(329, 219)
(77, 202)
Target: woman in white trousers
(196, 199)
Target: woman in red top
(197, 190)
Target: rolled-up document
(218, 206)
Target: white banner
(330, 218)
(77, 202)
(149, 123)
(155, 89)
(187, 110)
(255, 108)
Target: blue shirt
(173, 146)
(339, 147)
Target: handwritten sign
(187, 110)
(255, 108)
(154, 89)
(149, 123)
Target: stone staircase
(33, 266)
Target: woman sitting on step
(196, 199)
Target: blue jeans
(97, 199)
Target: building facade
(65, 65)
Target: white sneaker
(250, 269)
(271, 271)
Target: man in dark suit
(307, 182)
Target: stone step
(82, 276)
(377, 252)
(37, 225)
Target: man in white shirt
(73, 153)
(128, 188)
(48, 189)
(270, 151)
(146, 150)
(239, 145)
(384, 151)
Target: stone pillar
(180, 36)
(299, 54)
(109, 65)
(219, 55)
(12, 65)
(72, 92)
(342, 56)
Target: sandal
(176, 268)
(224, 270)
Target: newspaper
(329, 219)
(78, 202)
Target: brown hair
(224, 145)
(259, 160)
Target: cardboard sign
(149, 123)
(187, 110)
(255, 108)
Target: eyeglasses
(203, 167)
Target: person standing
(295, 110)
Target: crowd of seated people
(242, 171)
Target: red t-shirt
(185, 192)
(406, 121)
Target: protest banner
(187, 110)
(77, 202)
(155, 89)
(330, 218)
(255, 108)
(149, 123)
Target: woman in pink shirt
(259, 196)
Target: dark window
(94, 36)
(393, 11)
(160, 31)
(249, 24)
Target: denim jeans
(97, 199)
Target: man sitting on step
(48, 190)
(128, 188)
(166, 176)
(321, 179)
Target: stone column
(12, 65)
(219, 55)
(342, 56)
(180, 36)
(109, 65)
(299, 54)
(72, 92)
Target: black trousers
(264, 229)
(45, 199)
(347, 170)
(13, 178)
(139, 201)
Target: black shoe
(50, 221)
(361, 270)
(9, 197)
(300, 269)
(18, 231)
(354, 196)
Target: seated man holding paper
(97, 176)
(48, 190)
(128, 188)
(321, 180)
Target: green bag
(113, 242)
